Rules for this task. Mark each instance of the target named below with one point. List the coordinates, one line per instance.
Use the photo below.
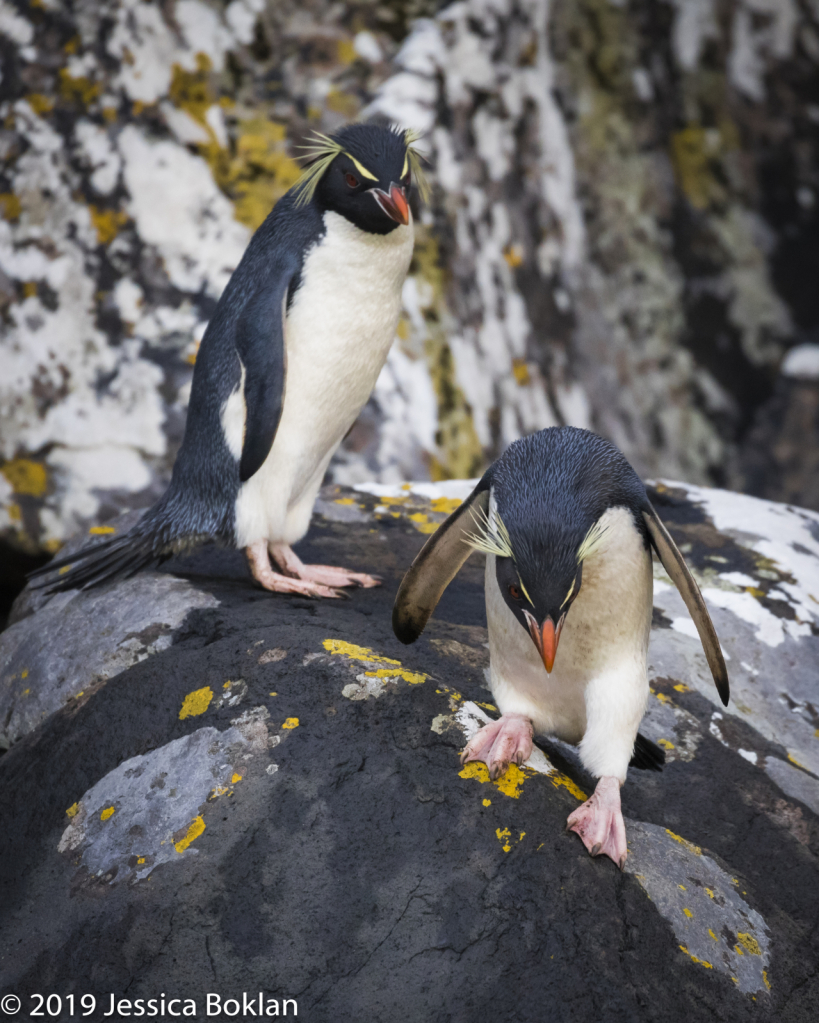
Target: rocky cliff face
(622, 234)
(214, 789)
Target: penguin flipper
(647, 755)
(674, 563)
(260, 345)
(435, 566)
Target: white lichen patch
(81, 639)
(179, 210)
(714, 925)
(760, 627)
(150, 809)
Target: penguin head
(549, 494)
(366, 173)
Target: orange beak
(395, 204)
(545, 638)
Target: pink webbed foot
(500, 743)
(323, 575)
(259, 562)
(599, 822)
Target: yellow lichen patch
(663, 698)
(291, 723)
(693, 958)
(749, 943)
(140, 860)
(419, 517)
(403, 329)
(235, 778)
(39, 103)
(513, 254)
(195, 829)
(738, 950)
(107, 813)
(795, 762)
(78, 90)
(196, 703)
(30, 289)
(765, 980)
(681, 687)
(688, 845)
(712, 934)
(370, 657)
(427, 527)
(665, 743)
(445, 505)
(692, 152)
(261, 172)
(559, 779)
(487, 706)
(345, 51)
(487, 802)
(344, 500)
(344, 103)
(509, 783)
(101, 530)
(10, 206)
(504, 834)
(394, 500)
(73, 810)
(355, 653)
(520, 371)
(415, 678)
(26, 477)
(709, 892)
(688, 913)
(107, 223)
(24, 673)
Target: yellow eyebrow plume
(362, 170)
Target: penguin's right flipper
(435, 566)
(674, 563)
(647, 755)
(260, 345)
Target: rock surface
(263, 794)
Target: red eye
(351, 180)
(514, 592)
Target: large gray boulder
(213, 790)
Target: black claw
(595, 849)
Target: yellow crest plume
(321, 152)
(592, 541)
(422, 182)
(491, 536)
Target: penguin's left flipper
(435, 566)
(674, 563)
(260, 347)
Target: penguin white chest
(602, 649)
(338, 332)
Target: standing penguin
(290, 357)
(567, 529)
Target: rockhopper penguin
(288, 360)
(567, 530)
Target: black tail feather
(116, 558)
(647, 756)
